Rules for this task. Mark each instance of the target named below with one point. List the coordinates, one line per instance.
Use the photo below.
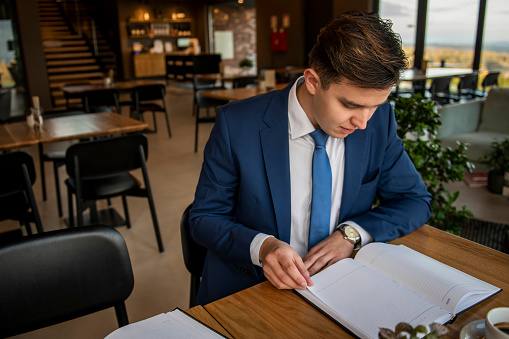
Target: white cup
(30, 120)
(497, 316)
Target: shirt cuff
(366, 238)
(256, 244)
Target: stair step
(68, 55)
(61, 37)
(76, 69)
(66, 49)
(51, 17)
(75, 76)
(70, 62)
(53, 24)
(62, 43)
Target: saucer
(473, 330)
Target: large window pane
(403, 15)
(495, 55)
(450, 33)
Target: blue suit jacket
(244, 187)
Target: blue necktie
(322, 190)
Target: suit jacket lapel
(355, 157)
(274, 142)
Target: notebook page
(367, 301)
(174, 324)
(441, 284)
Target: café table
(432, 73)
(79, 126)
(200, 314)
(122, 86)
(262, 311)
(237, 93)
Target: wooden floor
(161, 280)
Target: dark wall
(295, 52)
(30, 41)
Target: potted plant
(418, 122)
(497, 161)
(246, 64)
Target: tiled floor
(161, 280)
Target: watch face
(350, 232)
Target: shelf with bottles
(159, 29)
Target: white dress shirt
(301, 148)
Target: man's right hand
(282, 266)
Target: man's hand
(327, 252)
(282, 266)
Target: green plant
(418, 122)
(404, 330)
(498, 158)
(246, 63)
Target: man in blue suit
(252, 208)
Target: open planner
(174, 324)
(387, 284)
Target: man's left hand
(327, 252)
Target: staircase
(70, 57)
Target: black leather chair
(491, 79)
(145, 98)
(467, 87)
(101, 100)
(194, 255)
(204, 102)
(99, 169)
(439, 90)
(204, 84)
(60, 275)
(17, 202)
(244, 81)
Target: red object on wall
(278, 41)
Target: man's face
(343, 108)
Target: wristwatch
(350, 234)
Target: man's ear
(312, 80)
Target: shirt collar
(298, 122)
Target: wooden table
(199, 313)
(122, 86)
(262, 311)
(237, 93)
(87, 125)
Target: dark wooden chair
(151, 98)
(194, 255)
(100, 169)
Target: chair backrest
(205, 102)
(468, 83)
(60, 275)
(17, 172)
(244, 81)
(94, 100)
(150, 92)
(194, 254)
(17, 201)
(440, 85)
(491, 79)
(201, 83)
(105, 157)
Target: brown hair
(358, 48)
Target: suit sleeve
(211, 217)
(404, 199)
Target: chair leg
(70, 207)
(196, 130)
(167, 121)
(121, 312)
(43, 177)
(57, 187)
(155, 121)
(126, 212)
